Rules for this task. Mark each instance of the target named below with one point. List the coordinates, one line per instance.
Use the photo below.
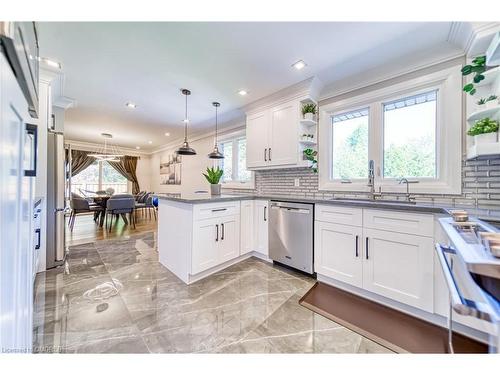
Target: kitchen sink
(385, 201)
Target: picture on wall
(170, 170)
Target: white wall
(143, 172)
(191, 169)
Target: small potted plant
(489, 102)
(308, 111)
(310, 154)
(484, 131)
(213, 177)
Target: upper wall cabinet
(277, 135)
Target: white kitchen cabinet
(257, 133)
(247, 227)
(273, 138)
(229, 239)
(205, 249)
(283, 145)
(399, 266)
(261, 227)
(338, 252)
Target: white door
(257, 131)
(261, 222)
(246, 225)
(399, 266)
(229, 241)
(338, 252)
(206, 235)
(283, 145)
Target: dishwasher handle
(292, 209)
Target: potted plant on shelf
(484, 131)
(213, 177)
(308, 111)
(310, 154)
(489, 102)
(477, 66)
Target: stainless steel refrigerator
(56, 248)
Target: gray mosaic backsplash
(480, 193)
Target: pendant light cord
(185, 119)
(216, 107)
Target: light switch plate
(296, 182)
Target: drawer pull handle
(219, 209)
(265, 154)
(217, 232)
(222, 236)
(265, 213)
(357, 239)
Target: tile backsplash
(480, 187)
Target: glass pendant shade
(216, 154)
(185, 149)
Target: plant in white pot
(213, 177)
(308, 111)
(484, 131)
(486, 103)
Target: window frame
(235, 184)
(448, 127)
(100, 179)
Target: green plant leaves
(466, 70)
(478, 78)
(483, 126)
(468, 87)
(480, 60)
(213, 175)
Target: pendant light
(216, 154)
(185, 149)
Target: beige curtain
(80, 160)
(127, 167)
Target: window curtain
(79, 161)
(127, 167)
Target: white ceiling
(107, 64)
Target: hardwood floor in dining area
(86, 230)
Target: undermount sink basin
(385, 201)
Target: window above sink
(411, 129)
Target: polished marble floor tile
(113, 296)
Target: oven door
(467, 298)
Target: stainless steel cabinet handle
(219, 209)
(222, 236)
(357, 239)
(265, 213)
(366, 247)
(265, 154)
(217, 232)
(269, 154)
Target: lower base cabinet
(261, 227)
(215, 241)
(399, 266)
(338, 252)
(395, 265)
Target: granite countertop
(198, 198)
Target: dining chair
(80, 205)
(120, 205)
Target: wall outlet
(296, 182)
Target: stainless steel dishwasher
(291, 234)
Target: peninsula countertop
(200, 198)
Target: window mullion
(100, 175)
(235, 160)
(376, 138)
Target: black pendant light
(185, 149)
(216, 154)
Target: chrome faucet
(371, 180)
(404, 180)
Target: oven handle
(460, 304)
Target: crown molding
(307, 88)
(472, 37)
(56, 78)
(90, 146)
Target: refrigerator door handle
(30, 165)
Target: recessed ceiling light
(243, 92)
(299, 65)
(167, 134)
(49, 62)
(138, 147)
(130, 105)
(150, 142)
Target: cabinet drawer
(339, 215)
(215, 210)
(401, 222)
